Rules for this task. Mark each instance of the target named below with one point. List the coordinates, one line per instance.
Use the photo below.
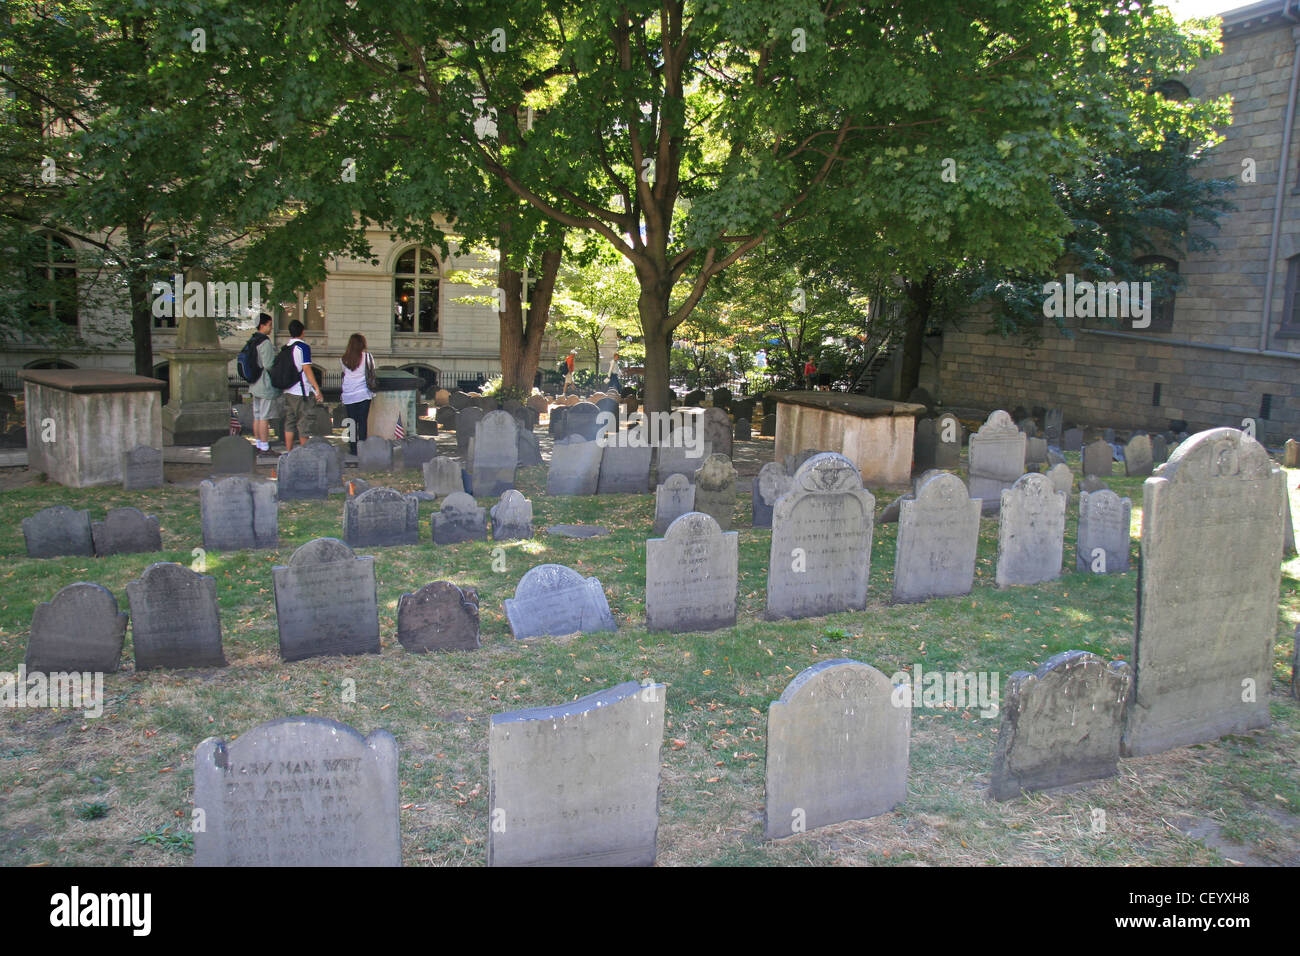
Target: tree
(596, 293)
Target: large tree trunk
(521, 336)
(138, 288)
(653, 309)
(920, 300)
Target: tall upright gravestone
(380, 517)
(79, 629)
(1031, 532)
(674, 498)
(715, 490)
(820, 557)
(326, 602)
(1103, 539)
(303, 473)
(496, 453)
(691, 576)
(997, 456)
(299, 791)
(1207, 594)
(238, 513)
(938, 535)
(175, 621)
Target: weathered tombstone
(1139, 457)
(1291, 453)
(379, 517)
(1108, 435)
(1159, 449)
(332, 455)
(442, 477)
(126, 531)
(238, 513)
(575, 467)
(325, 602)
(1092, 483)
(142, 467)
(1102, 544)
(303, 473)
(58, 531)
(924, 438)
(356, 486)
(938, 535)
(1061, 724)
(175, 621)
(1028, 426)
(770, 484)
(691, 575)
(460, 519)
(1072, 439)
(446, 418)
(1098, 457)
(997, 456)
(496, 453)
(1035, 452)
(319, 422)
(715, 490)
(837, 749)
(416, 452)
(466, 426)
(79, 629)
(577, 783)
(1031, 532)
(1288, 527)
(1053, 421)
(1207, 594)
(722, 397)
(375, 454)
(744, 431)
(1062, 478)
(717, 427)
(459, 400)
(233, 455)
(624, 470)
(538, 403)
(554, 600)
(512, 517)
(767, 428)
(529, 448)
(555, 423)
(694, 397)
(793, 462)
(583, 419)
(438, 617)
(820, 556)
(685, 459)
(674, 498)
(299, 791)
(948, 437)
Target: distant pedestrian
(569, 362)
(810, 373)
(263, 392)
(615, 369)
(303, 395)
(358, 386)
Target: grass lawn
(118, 790)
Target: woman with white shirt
(358, 385)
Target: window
(52, 279)
(415, 292)
(1162, 273)
(1291, 304)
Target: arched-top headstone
(175, 621)
(460, 519)
(79, 629)
(997, 456)
(715, 489)
(938, 537)
(379, 517)
(691, 576)
(233, 455)
(438, 617)
(321, 551)
(512, 517)
(552, 599)
(126, 531)
(326, 602)
(57, 531)
(1031, 532)
(770, 484)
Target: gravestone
(1061, 724)
(1031, 532)
(58, 531)
(691, 576)
(938, 535)
(466, 427)
(332, 455)
(555, 424)
(1291, 453)
(1207, 593)
(1139, 456)
(715, 490)
(529, 448)
(577, 783)
(1028, 426)
(325, 602)
(319, 422)
(770, 484)
(538, 403)
(552, 600)
(1072, 439)
(496, 453)
(1035, 452)
(722, 397)
(767, 428)
(684, 459)
(79, 629)
(442, 477)
(512, 517)
(794, 461)
(921, 396)
(583, 419)
(126, 531)
(237, 513)
(142, 467)
(820, 555)
(1053, 421)
(997, 456)
(303, 473)
(298, 791)
(459, 400)
(1159, 449)
(674, 498)
(1098, 457)
(1062, 478)
(1092, 483)
(233, 455)
(837, 749)
(948, 438)
(416, 452)
(438, 617)
(624, 470)
(175, 621)
(379, 517)
(1103, 527)
(356, 486)
(717, 427)
(460, 519)
(924, 438)
(744, 432)
(446, 418)
(1108, 435)
(575, 467)
(375, 454)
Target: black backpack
(284, 373)
(247, 364)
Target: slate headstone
(691, 576)
(57, 531)
(466, 427)
(459, 519)
(744, 431)
(1053, 422)
(496, 453)
(624, 470)
(442, 477)
(416, 452)
(770, 484)
(837, 749)
(938, 535)
(553, 600)
(459, 400)
(1035, 452)
(379, 517)
(126, 531)
(674, 498)
(949, 436)
(684, 459)
(715, 490)
(1092, 483)
(299, 791)
(238, 513)
(718, 430)
(1098, 457)
(1102, 544)
(325, 602)
(375, 454)
(446, 418)
(332, 455)
(1072, 439)
(1139, 456)
(79, 629)
(575, 467)
(997, 456)
(233, 455)
(175, 621)
(303, 473)
(512, 517)
(529, 449)
(1031, 532)
(1159, 449)
(438, 617)
(767, 428)
(142, 467)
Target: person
(301, 397)
(810, 373)
(569, 361)
(263, 392)
(358, 376)
(615, 368)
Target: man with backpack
(292, 373)
(254, 365)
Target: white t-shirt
(302, 386)
(354, 381)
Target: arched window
(1173, 90)
(52, 279)
(415, 292)
(1162, 273)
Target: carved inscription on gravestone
(691, 576)
(325, 602)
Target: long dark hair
(352, 355)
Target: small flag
(235, 427)
(398, 431)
